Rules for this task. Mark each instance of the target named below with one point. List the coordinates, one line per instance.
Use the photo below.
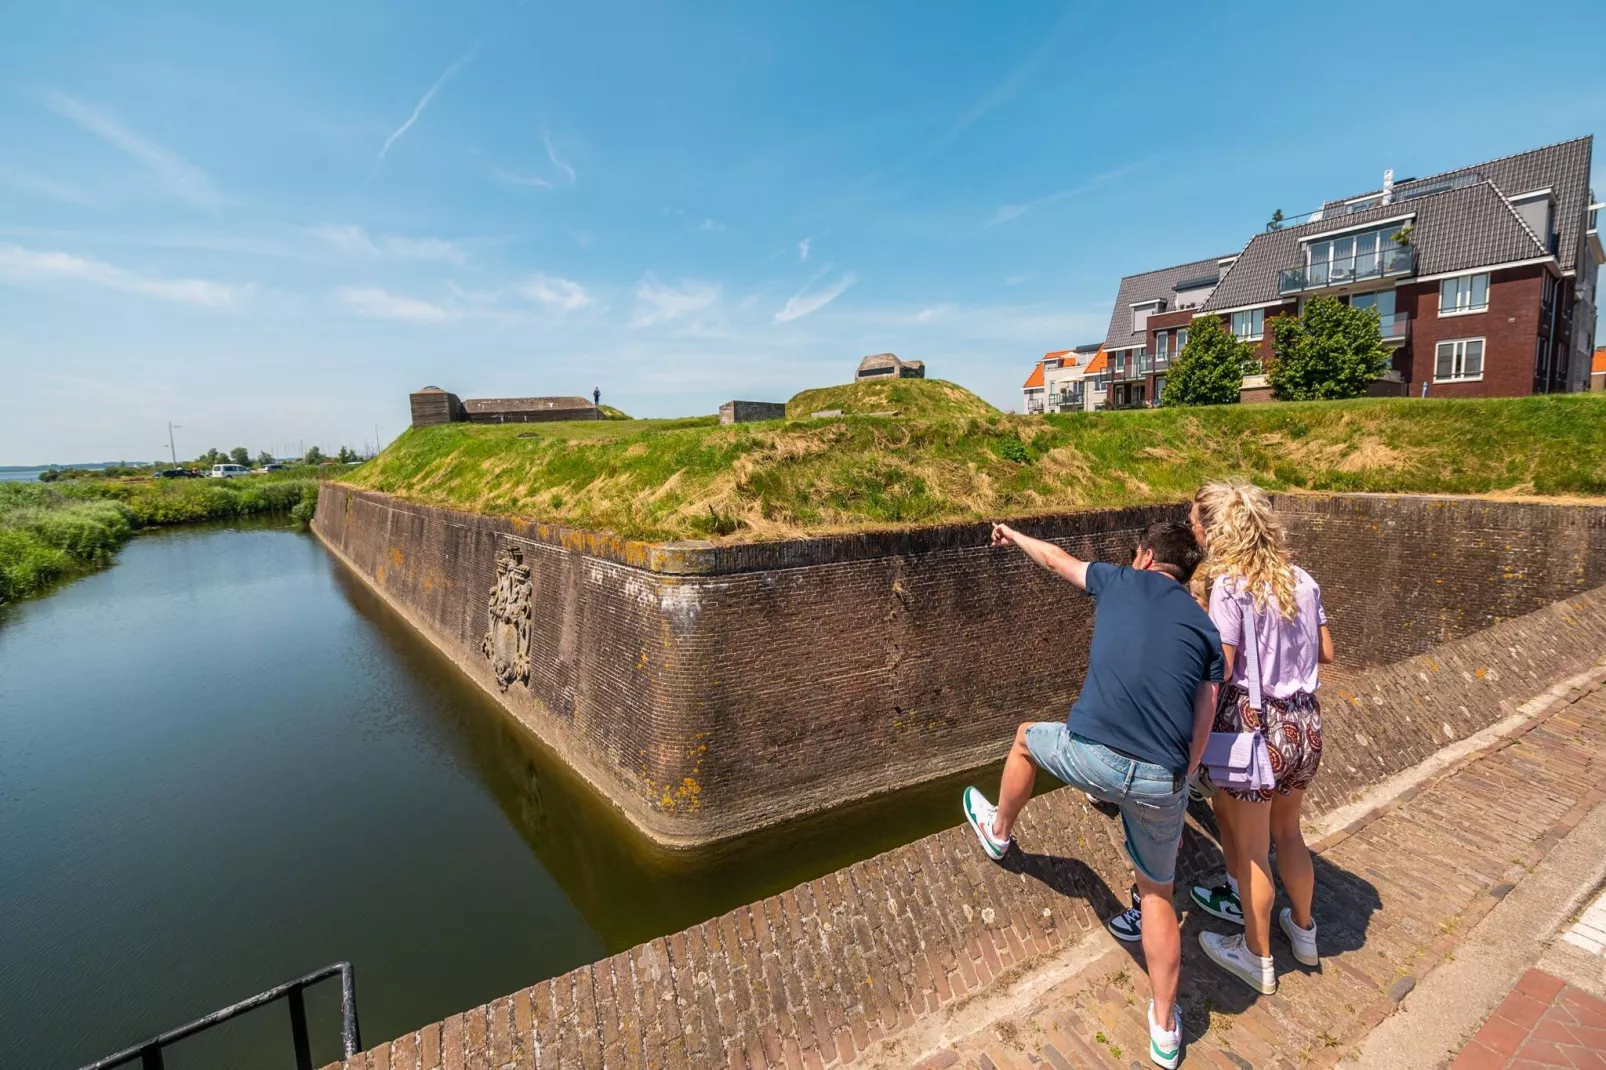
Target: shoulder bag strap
(1249, 650)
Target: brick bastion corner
(703, 689)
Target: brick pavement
(868, 959)
(1393, 898)
(1543, 1023)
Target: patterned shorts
(1293, 729)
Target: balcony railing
(1388, 262)
(1395, 328)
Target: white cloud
(354, 241)
(803, 249)
(375, 303)
(658, 302)
(177, 175)
(423, 101)
(46, 187)
(552, 154)
(710, 224)
(508, 178)
(564, 294)
(1016, 280)
(806, 302)
(1007, 212)
(28, 265)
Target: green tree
(240, 456)
(1210, 368)
(1276, 221)
(1332, 351)
(314, 456)
(347, 454)
(211, 457)
(264, 458)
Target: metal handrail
(149, 1052)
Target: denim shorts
(1152, 799)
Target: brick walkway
(1393, 898)
(876, 962)
(1543, 1023)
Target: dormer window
(1142, 311)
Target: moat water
(225, 763)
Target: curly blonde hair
(1245, 540)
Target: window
(1182, 339)
(1142, 312)
(1162, 346)
(1461, 359)
(1364, 255)
(1468, 293)
(1249, 326)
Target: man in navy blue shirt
(1135, 734)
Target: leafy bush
(1210, 368)
(1329, 353)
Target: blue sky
(269, 222)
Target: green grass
(914, 398)
(671, 479)
(52, 530)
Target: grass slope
(671, 479)
(914, 398)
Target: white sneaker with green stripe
(980, 813)
(1165, 1045)
(1221, 901)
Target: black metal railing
(149, 1052)
(1387, 262)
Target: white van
(229, 471)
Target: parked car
(273, 466)
(178, 473)
(229, 471)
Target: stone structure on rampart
(889, 366)
(432, 405)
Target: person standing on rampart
(1135, 734)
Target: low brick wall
(814, 975)
(709, 691)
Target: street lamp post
(171, 449)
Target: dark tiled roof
(1563, 167)
(524, 404)
(1136, 289)
(1461, 228)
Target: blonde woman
(1259, 596)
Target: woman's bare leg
(1293, 857)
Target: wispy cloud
(552, 154)
(659, 302)
(509, 178)
(177, 175)
(556, 292)
(803, 249)
(423, 101)
(806, 301)
(1008, 212)
(375, 303)
(46, 187)
(698, 222)
(28, 265)
(355, 241)
(1016, 280)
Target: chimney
(1388, 187)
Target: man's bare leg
(1015, 790)
(1162, 946)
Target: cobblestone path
(1393, 898)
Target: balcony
(1387, 263)
(1395, 328)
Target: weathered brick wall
(709, 690)
(1403, 573)
(816, 974)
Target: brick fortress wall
(708, 691)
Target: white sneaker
(1165, 1045)
(1230, 954)
(1303, 940)
(980, 813)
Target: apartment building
(1484, 279)
(1058, 382)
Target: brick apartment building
(1484, 279)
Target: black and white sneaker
(1128, 925)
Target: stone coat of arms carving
(507, 643)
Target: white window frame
(1253, 314)
(1468, 310)
(1162, 345)
(1462, 343)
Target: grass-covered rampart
(694, 479)
(51, 530)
